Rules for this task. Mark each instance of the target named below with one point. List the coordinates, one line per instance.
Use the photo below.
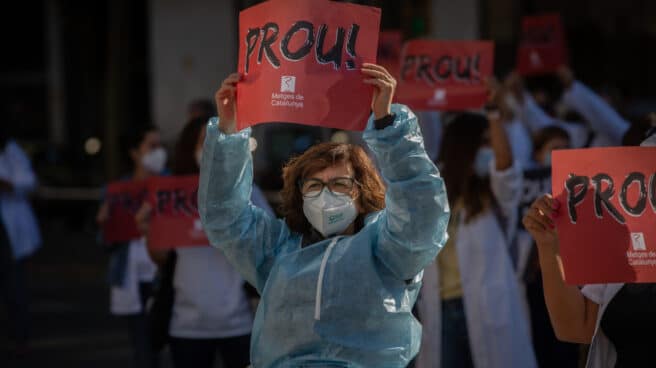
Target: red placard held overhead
(607, 218)
(389, 51)
(300, 61)
(445, 75)
(543, 47)
(175, 221)
(124, 199)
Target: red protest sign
(124, 199)
(542, 48)
(607, 220)
(174, 221)
(389, 51)
(445, 75)
(300, 63)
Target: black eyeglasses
(311, 188)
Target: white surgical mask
(154, 160)
(649, 142)
(482, 162)
(328, 213)
(199, 156)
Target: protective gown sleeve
(414, 222)
(249, 237)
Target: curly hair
(318, 158)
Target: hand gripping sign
(175, 221)
(300, 61)
(124, 199)
(542, 48)
(445, 75)
(607, 219)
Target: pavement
(69, 308)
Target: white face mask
(484, 156)
(649, 142)
(155, 160)
(328, 213)
(199, 156)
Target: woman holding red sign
(618, 320)
(340, 275)
(209, 314)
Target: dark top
(629, 322)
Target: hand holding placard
(384, 86)
(539, 222)
(226, 104)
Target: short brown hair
(320, 157)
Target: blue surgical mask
(547, 160)
(482, 162)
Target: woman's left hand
(143, 218)
(384, 86)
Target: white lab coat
(602, 352)
(600, 118)
(497, 323)
(15, 209)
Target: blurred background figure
(201, 108)
(131, 271)
(19, 237)
(211, 314)
(471, 304)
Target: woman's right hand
(226, 104)
(539, 222)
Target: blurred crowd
(482, 296)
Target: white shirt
(126, 299)
(210, 301)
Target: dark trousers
(138, 328)
(14, 291)
(455, 340)
(549, 351)
(201, 353)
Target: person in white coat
(618, 320)
(19, 235)
(211, 315)
(131, 271)
(470, 306)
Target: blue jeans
(455, 340)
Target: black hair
(184, 156)
(463, 136)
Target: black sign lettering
(574, 197)
(251, 41)
(267, 41)
(602, 197)
(641, 205)
(334, 55)
(307, 45)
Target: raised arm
(599, 115)
(573, 316)
(414, 222)
(247, 235)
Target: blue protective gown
(345, 301)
